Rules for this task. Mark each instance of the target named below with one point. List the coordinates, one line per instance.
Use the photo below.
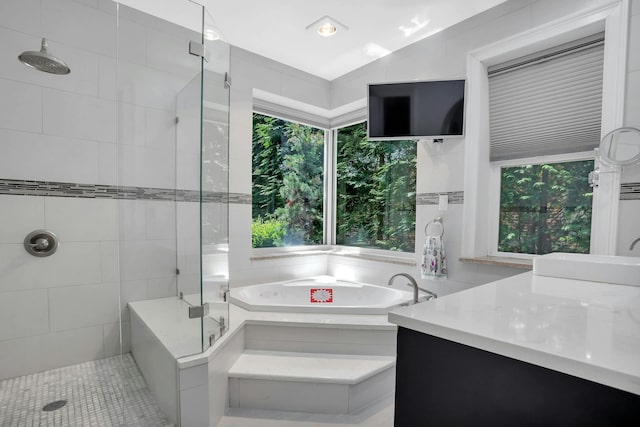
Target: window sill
(408, 259)
(523, 264)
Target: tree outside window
(376, 191)
(545, 208)
(288, 182)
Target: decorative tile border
(630, 191)
(91, 191)
(455, 198)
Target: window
(376, 191)
(288, 182)
(545, 207)
(546, 105)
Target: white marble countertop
(587, 329)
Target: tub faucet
(633, 245)
(414, 284)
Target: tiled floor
(102, 393)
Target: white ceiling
(276, 29)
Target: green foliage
(376, 200)
(545, 208)
(288, 178)
(267, 233)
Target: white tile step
(309, 367)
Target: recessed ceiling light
(327, 29)
(326, 26)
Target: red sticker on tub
(321, 295)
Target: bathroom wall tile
(19, 216)
(23, 314)
(131, 290)
(132, 219)
(108, 78)
(146, 87)
(160, 132)
(25, 355)
(132, 41)
(161, 287)
(188, 175)
(34, 156)
(109, 262)
(144, 167)
(78, 116)
(74, 263)
(117, 339)
(169, 52)
(77, 220)
(131, 124)
(628, 227)
(160, 220)
(107, 164)
(75, 307)
(84, 65)
(80, 26)
(147, 259)
(20, 15)
(20, 106)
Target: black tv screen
(425, 109)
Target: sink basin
(621, 270)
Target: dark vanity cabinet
(443, 383)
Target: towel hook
(437, 221)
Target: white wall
(440, 167)
(629, 215)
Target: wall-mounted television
(416, 110)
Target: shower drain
(53, 406)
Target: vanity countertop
(586, 329)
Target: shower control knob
(41, 243)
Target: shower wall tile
(20, 106)
(33, 156)
(145, 167)
(108, 78)
(131, 124)
(160, 132)
(161, 220)
(78, 116)
(161, 288)
(23, 314)
(113, 335)
(109, 262)
(132, 40)
(79, 26)
(107, 164)
(170, 53)
(75, 307)
(75, 263)
(147, 87)
(82, 220)
(39, 353)
(147, 259)
(21, 15)
(19, 216)
(132, 219)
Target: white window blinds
(548, 103)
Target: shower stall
(113, 206)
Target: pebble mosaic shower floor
(102, 393)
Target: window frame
(495, 190)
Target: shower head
(44, 61)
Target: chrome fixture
(414, 284)
(633, 244)
(44, 61)
(41, 243)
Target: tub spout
(414, 284)
(634, 243)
